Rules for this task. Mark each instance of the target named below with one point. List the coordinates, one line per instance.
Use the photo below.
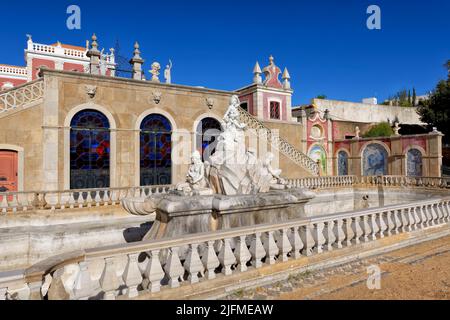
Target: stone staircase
(298, 157)
(21, 97)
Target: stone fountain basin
(178, 215)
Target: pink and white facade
(268, 100)
(55, 56)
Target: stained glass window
(89, 150)
(342, 163)
(208, 130)
(155, 150)
(274, 110)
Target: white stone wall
(367, 113)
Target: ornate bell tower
(268, 99)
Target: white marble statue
(155, 71)
(167, 73)
(196, 181)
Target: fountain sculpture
(233, 189)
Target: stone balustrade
(21, 96)
(406, 181)
(44, 200)
(70, 199)
(149, 266)
(323, 182)
(281, 144)
(13, 70)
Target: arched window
(342, 166)
(375, 160)
(89, 150)
(155, 150)
(414, 163)
(208, 130)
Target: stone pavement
(417, 272)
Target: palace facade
(67, 122)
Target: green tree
(382, 129)
(436, 110)
(414, 97)
(321, 96)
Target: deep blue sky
(325, 44)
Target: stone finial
(156, 67)
(435, 131)
(137, 62)
(94, 44)
(257, 74)
(286, 77)
(94, 54)
(396, 129)
(272, 73)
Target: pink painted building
(56, 56)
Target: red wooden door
(8, 171)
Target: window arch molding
(112, 132)
(137, 141)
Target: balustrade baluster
(431, 215)
(365, 226)
(109, 281)
(338, 231)
(210, 260)
(271, 248)
(447, 210)
(389, 223)
(4, 203)
(83, 286)
(374, 226)
(174, 268)
(411, 224)
(193, 264)
(329, 235)
(307, 239)
(440, 213)
(257, 250)
(154, 272)
(89, 199)
(397, 221)
(348, 230)
(226, 257)
(284, 245)
(296, 242)
(319, 239)
(356, 228)
(132, 275)
(243, 255)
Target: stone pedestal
(179, 215)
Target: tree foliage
(436, 110)
(382, 129)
